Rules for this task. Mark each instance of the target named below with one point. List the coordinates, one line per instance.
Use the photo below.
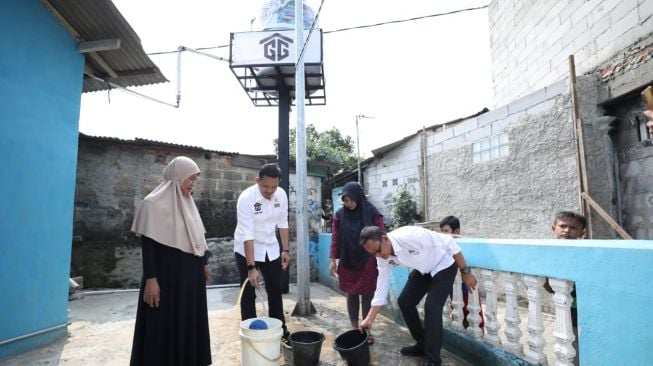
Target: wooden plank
(581, 168)
(606, 216)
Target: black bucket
(306, 348)
(353, 347)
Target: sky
(406, 76)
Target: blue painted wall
(40, 91)
(613, 295)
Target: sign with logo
(271, 48)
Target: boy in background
(569, 225)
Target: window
(490, 148)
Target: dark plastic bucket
(306, 348)
(353, 347)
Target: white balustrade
(492, 325)
(457, 302)
(535, 352)
(474, 307)
(493, 282)
(563, 332)
(512, 319)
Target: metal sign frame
(263, 81)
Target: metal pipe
(358, 154)
(303, 306)
(358, 147)
(38, 332)
(117, 291)
(116, 86)
(179, 51)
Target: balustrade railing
(506, 331)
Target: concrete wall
(532, 40)
(609, 309)
(510, 197)
(605, 298)
(115, 175)
(514, 196)
(40, 89)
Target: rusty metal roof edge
(142, 141)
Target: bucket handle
(260, 354)
(258, 293)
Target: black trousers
(271, 271)
(436, 288)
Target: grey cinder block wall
(531, 40)
(114, 175)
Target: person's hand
(207, 273)
(252, 275)
(333, 268)
(649, 124)
(366, 324)
(152, 292)
(470, 281)
(285, 259)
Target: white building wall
(531, 40)
(399, 167)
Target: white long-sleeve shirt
(258, 218)
(416, 248)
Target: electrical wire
(317, 15)
(349, 28)
(405, 20)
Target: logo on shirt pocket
(257, 207)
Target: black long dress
(177, 332)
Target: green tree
(329, 145)
(402, 207)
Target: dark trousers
(271, 271)
(436, 288)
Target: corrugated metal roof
(141, 142)
(94, 20)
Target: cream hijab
(168, 217)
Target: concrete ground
(101, 329)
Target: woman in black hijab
(356, 268)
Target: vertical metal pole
(358, 154)
(303, 275)
(284, 160)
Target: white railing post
(535, 352)
(563, 332)
(492, 325)
(446, 313)
(457, 302)
(474, 307)
(512, 331)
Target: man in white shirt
(262, 208)
(434, 258)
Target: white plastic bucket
(261, 347)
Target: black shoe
(412, 351)
(285, 340)
(428, 362)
